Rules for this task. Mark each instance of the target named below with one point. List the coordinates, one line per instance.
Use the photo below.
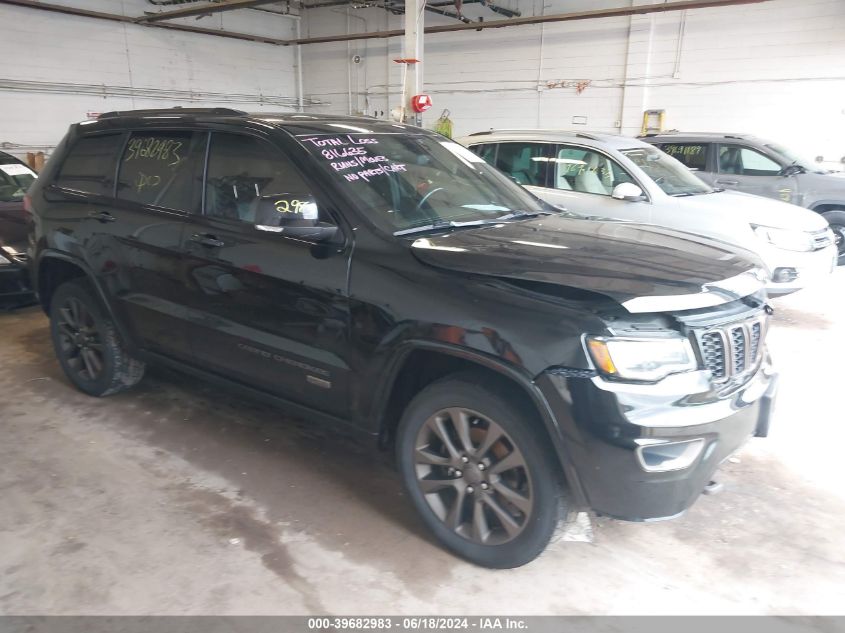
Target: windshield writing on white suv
(667, 173)
(405, 180)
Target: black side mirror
(293, 215)
(791, 170)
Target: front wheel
(836, 219)
(87, 344)
(477, 471)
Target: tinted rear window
(693, 155)
(90, 164)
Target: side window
(693, 155)
(744, 161)
(587, 171)
(163, 169)
(526, 163)
(252, 181)
(90, 164)
(487, 151)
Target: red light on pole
(421, 103)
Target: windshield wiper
(442, 225)
(520, 215)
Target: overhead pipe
(666, 7)
(125, 19)
(206, 9)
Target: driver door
(582, 180)
(741, 168)
(264, 309)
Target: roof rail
(532, 130)
(176, 110)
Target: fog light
(784, 275)
(658, 458)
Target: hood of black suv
(627, 262)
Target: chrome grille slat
(732, 351)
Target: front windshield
(15, 179)
(407, 180)
(793, 158)
(666, 172)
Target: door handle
(206, 239)
(102, 216)
(730, 183)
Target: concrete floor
(177, 498)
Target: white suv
(623, 178)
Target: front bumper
(800, 269)
(605, 426)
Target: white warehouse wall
(775, 69)
(49, 48)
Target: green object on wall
(443, 125)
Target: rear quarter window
(90, 164)
(693, 155)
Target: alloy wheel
(473, 476)
(79, 340)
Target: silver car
(742, 162)
(620, 177)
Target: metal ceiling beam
(448, 28)
(664, 7)
(206, 9)
(114, 17)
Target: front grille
(738, 349)
(822, 239)
(733, 351)
(713, 353)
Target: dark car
(15, 178)
(522, 363)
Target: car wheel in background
(87, 344)
(836, 219)
(479, 473)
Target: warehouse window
(693, 155)
(163, 169)
(89, 165)
(526, 163)
(242, 171)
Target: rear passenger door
(265, 309)
(121, 200)
(526, 163)
(159, 185)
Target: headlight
(642, 359)
(3, 260)
(784, 238)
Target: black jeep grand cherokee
(520, 361)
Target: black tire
(535, 479)
(836, 219)
(87, 344)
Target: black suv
(521, 362)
